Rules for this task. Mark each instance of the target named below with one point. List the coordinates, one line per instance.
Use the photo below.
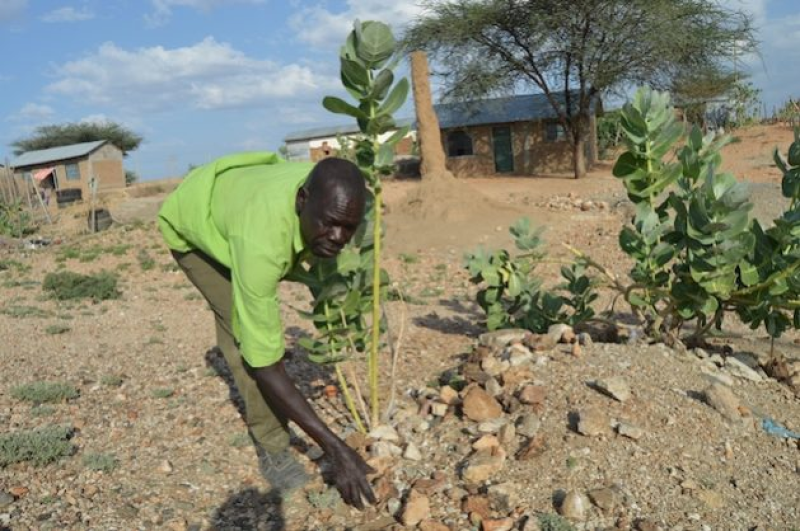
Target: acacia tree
(49, 136)
(574, 51)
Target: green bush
(40, 446)
(162, 393)
(112, 380)
(57, 329)
(554, 522)
(100, 462)
(66, 285)
(43, 392)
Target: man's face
(329, 221)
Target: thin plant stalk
(348, 399)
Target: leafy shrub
(697, 252)
(511, 294)
(15, 221)
(66, 285)
(42, 411)
(40, 446)
(42, 392)
(554, 522)
(146, 262)
(100, 462)
(609, 133)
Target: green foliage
(112, 380)
(100, 462)
(57, 329)
(146, 262)
(66, 285)
(49, 136)
(22, 312)
(554, 522)
(15, 220)
(44, 392)
(40, 446)
(697, 253)
(131, 177)
(609, 133)
(42, 411)
(746, 101)
(511, 294)
(162, 393)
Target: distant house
(316, 144)
(517, 135)
(71, 167)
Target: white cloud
(33, 112)
(162, 9)
(207, 75)
(11, 9)
(323, 28)
(68, 14)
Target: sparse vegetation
(66, 285)
(163, 392)
(146, 262)
(40, 446)
(112, 380)
(21, 312)
(100, 462)
(44, 392)
(57, 329)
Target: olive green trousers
(267, 428)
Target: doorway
(503, 149)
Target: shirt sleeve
(257, 266)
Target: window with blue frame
(73, 172)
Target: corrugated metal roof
(43, 156)
(524, 108)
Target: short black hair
(332, 175)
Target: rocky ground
(490, 431)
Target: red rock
(417, 509)
(533, 395)
(480, 405)
(477, 504)
(502, 524)
(534, 448)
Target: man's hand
(350, 472)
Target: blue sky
(202, 78)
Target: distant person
(237, 227)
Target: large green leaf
(383, 81)
(339, 106)
(354, 74)
(395, 99)
(374, 42)
(627, 164)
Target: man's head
(330, 206)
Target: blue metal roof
(524, 108)
(43, 156)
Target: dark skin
(329, 216)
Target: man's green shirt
(240, 211)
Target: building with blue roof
(516, 135)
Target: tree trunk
(429, 135)
(579, 157)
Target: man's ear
(300, 200)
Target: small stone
(587, 205)
(18, 492)
(574, 506)
(630, 431)
(439, 410)
(576, 350)
(533, 448)
(165, 466)
(507, 434)
(384, 433)
(315, 453)
(647, 525)
(592, 423)
(483, 466)
(492, 426)
(723, 400)
(416, 509)
(412, 453)
(533, 395)
(561, 333)
(741, 370)
(493, 366)
(541, 342)
(585, 339)
(487, 442)
(501, 338)
(6, 499)
(606, 498)
(385, 449)
(178, 525)
(448, 395)
(433, 525)
(700, 353)
(711, 498)
(501, 524)
(528, 425)
(519, 355)
(480, 405)
(493, 387)
(616, 387)
(479, 505)
(393, 505)
(504, 497)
